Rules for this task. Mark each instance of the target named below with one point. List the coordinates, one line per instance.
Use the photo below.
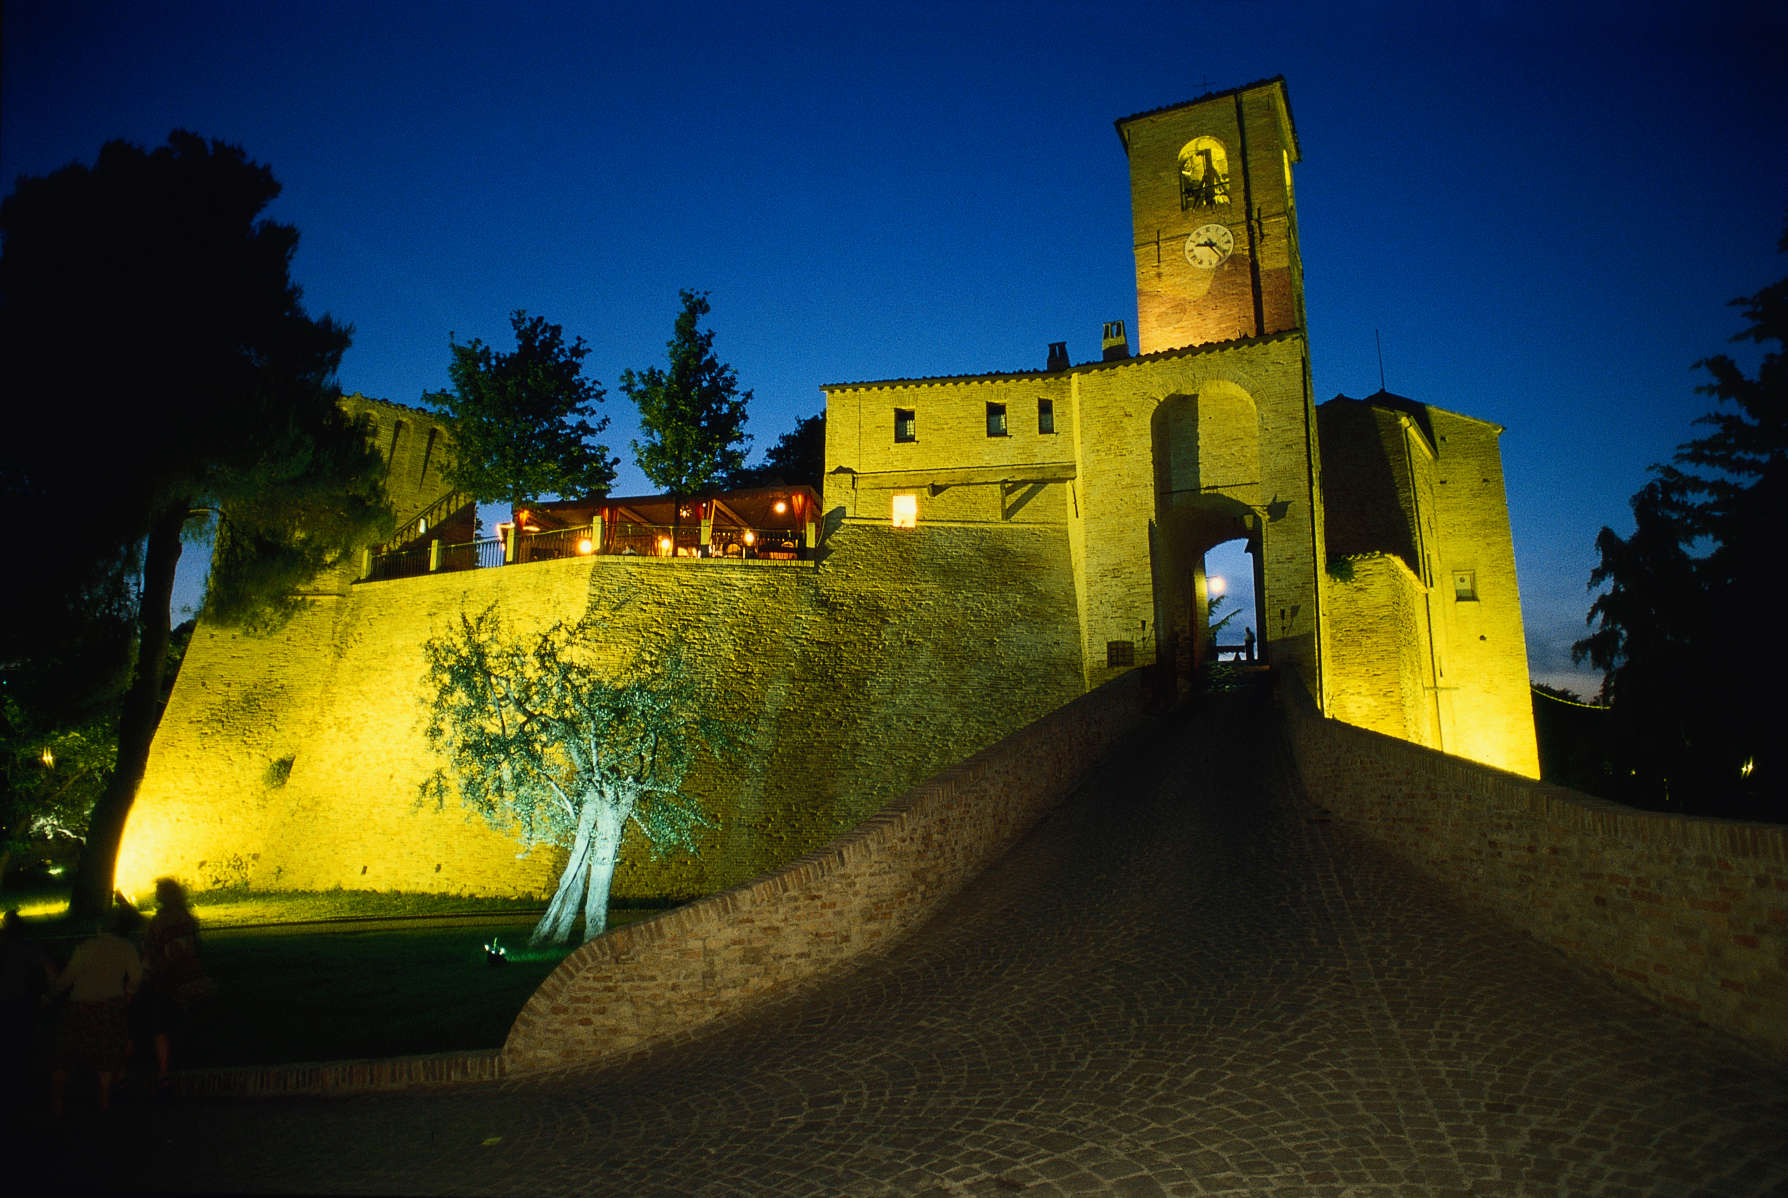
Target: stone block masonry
(294, 760)
(680, 973)
(1691, 912)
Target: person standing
(94, 1032)
(175, 979)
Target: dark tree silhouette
(525, 422)
(797, 459)
(1691, 662)
(161, 365)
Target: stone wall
(1691, 912)
(710, 961)
(295, 760)
(1377, 661)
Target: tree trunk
(555, 926)
(91, 896)
(611, 821)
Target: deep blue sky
(1542, 209)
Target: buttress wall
(295, 760)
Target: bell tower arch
(1215, 227)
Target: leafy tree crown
(525, 422)
(692, 414)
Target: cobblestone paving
(1181, 983)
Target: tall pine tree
(693, 414)
(162, 368)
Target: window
(1046, 415)
(996, 419)
(1119, 654)
(1465, 585)
(1204, 174)
(905, 426)
(906, 511)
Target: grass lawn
(309, 977)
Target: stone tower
(1215, 228)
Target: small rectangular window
(1046, 415)
(1465, 585)
(1119, 654)
(996, 419)
(906, 511)
(905, 426)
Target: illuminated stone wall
(899, 654)
(1423, 487)
(1378, 667)
(1690, 912)
(712, 960)
(416, 446)
(1135, 533)
(1483, 642)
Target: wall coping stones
(693, 968)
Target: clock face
(1209, 246)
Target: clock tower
(1215, 226)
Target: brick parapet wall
(1691, 912)
(693, 967)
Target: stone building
(988, 548)
(1378, 529)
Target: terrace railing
(753, 545)
(483, 554)
(555, 544)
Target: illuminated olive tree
(545, 745)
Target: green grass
(307, 977)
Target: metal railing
(402, 563)
(483, 554)
(422, 521)
(555, 544)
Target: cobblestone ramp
(1183, 982)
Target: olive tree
(548, 746)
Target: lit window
(906, 511)
(1119, 654)
(1465, 585)
(1204, 174)
(996, 419)
(1046, 415)
(905, 426)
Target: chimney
(1058, 356)
(1116, 345)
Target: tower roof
(1276, 82)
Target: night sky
(1541, 210)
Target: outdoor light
(586, 546)
(781, 506)
(49, 758)
(750, 538)
(495, 954)
(664, 546)
(1744, 771)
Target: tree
(1691, 665)
(693, 414)
(797, 459)
(1649, 622)
(162, 366)
(543, 745)
(525, 423)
